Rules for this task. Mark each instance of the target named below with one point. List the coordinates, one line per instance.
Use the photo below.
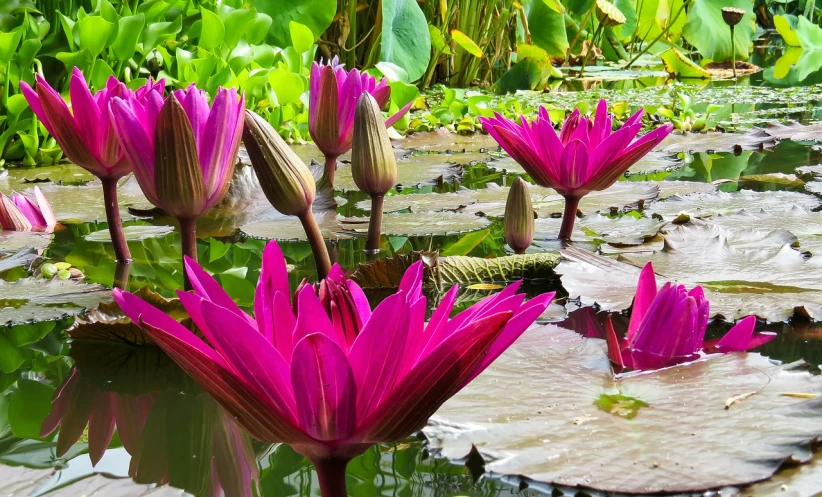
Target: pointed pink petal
(45, 207)
(396, 117)
(614, 350)
(312, 318)
(207, 287)
(324, 388)
(100, 428)
(740, 337)
(645, 293)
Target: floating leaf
(713, 204)
(35, 300)
(555, 433)
(132, 233)
(22, 258)
(682, 67)
(436, 223)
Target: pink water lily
(85, 133)
(20, 213)
(668, 327)
(325, 373)
(333, 95)
(183, 152)
(585, 156)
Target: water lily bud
(518, 226)
(285, 179)
(608, 14)
(373, 164)
(732, 15)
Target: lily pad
(35, 300)
(12, 241)
(435, 223)
(806, 225)
(22, 178)
(18, 480)
(743, 272)
(423, 202)
(414, 170)
(756, 139)
(668, 189)
(623, 195)
(795, 131)
(443, 140)
(132, 233)
(556, 433)
(22, 258)
(705, 205)
(85, 203)
(289, 228)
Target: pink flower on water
(216, 132)
(20, 213)
(585, 156)
(327, 374)
(85, 131)
(668, 327)
(333, 94)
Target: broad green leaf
(301, 37)
(527, 74)
(95, 33)
(287, 85)
(81, 59)
(554, 5)
(127, 36)
(28, 51)
(524, 50)
(8, 44)
(212, 30)
(68, 29)
(16, 105)
(393, 72)
(466, 43)
(706, 30)
(466, 243)
(314, 14)
(406, 41)
(785, 28)
(160, 31)
(107, 11)
(651, 11)
(682, 67)
(153, 9)
(625, 32)
(11, 356)
(236, 23)
(808, 34)
(547, 28)
(258, 30)
(28, 408)
(102, 71)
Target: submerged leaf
(35, 300)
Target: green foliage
(316, 15)
(405, 38)
(706, 16)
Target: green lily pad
(705, 205)
(668, 189)
(743, 271)
(22, 178)
(35, 300)
(756, 139)
(12, 241)
(132, 233)
(423, 202)
(556, 432)
(435, 223)
(289, 228)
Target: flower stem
(188, 236)
(372, 244)
(330, 169)
(317, 243)
(121, 273)
(733, 52)
(331, 474)
(115, 224)
(569, 217)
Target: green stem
(372, 244)
(351, 57)
(733, 52)
(659, 37)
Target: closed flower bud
(285, 179)
(373, 165)
(518, 226)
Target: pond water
(452, 191)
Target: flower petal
(645, 293)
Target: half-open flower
(334, 93)
(585, 156)
(668, 327)
(20, 213)
(333, 383)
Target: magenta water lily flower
(183, 152)
(86, 134)
(325, 373)
(668, 327)
(333, 94)
(585, 156)
(20, 213)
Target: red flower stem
(121, 273)
(330, 168)
(317, 243)
(331, 474)
(115, 224)
(188, 237)
(568, 217)
(372, 244)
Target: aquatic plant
(86, 134)
(518, 223)
(333, 101)
(183, 152)
(373, 165)
(329, 376)
(20, 213)
(286, 181)
(584, 157)
(668, 327)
